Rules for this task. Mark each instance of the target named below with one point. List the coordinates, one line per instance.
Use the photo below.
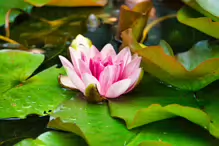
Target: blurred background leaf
(67, 3)
(6, 5)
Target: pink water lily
(112, 74)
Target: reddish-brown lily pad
(135, 18)
(191, 70)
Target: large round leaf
(211, 6)
(16, 67)
(6, 5)
(94, 124)
(191, 70)
(173, 132)
(209, 97)
(192, 18)
(153, 102)
(14, 130)
(208, 8)
(20, 97)
(90, 121)
(67, 3)
(54, 139)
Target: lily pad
(208, 8)
(68, 3)
(15, 130)
(52, 138)
(37, 95)
(191, 70)
(8, 4)
(135, 17)
(193, 18)
(93, 123)
(16, 67)
(153, 102)
(173, 132)
(209, 98)
(90, 121)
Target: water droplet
(170, 86)
(29, 106)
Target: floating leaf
(211, 6)
(15, 130)
(90, 121)
(135, 18)
(94, 124)
(69, 3)
(54, 138)
(209, 98)
(192, 18)
(16, 67)
(173, 132)
(208, 8)
(191, 70)
(153, 102)
(38, 95)
(6, 5)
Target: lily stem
(8, 40)
(7, 19)
(154, 23)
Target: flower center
(97, 65)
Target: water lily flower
(100, 74)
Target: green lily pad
(37, 95)
(38, 3)
(208, 8)
(16, 67)
(209, 98)
(54, 138)
(93, 123)
(13, 131)
(153, 102)
(173, 132)
(8, 4)
(211, 6)
(192, 18)
(191, 70)
(90, 121)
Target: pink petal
(65, 62)
(107, 78)
(83, 67)
(124, 57)
(134, 77)
(94, 51)
(108, 61)
(75, 79)
(96, 68)
(108, 50)
(66, 82)
(84, 57)
(131, 67)
(75, 56)
(118, 88)
(89, 79)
